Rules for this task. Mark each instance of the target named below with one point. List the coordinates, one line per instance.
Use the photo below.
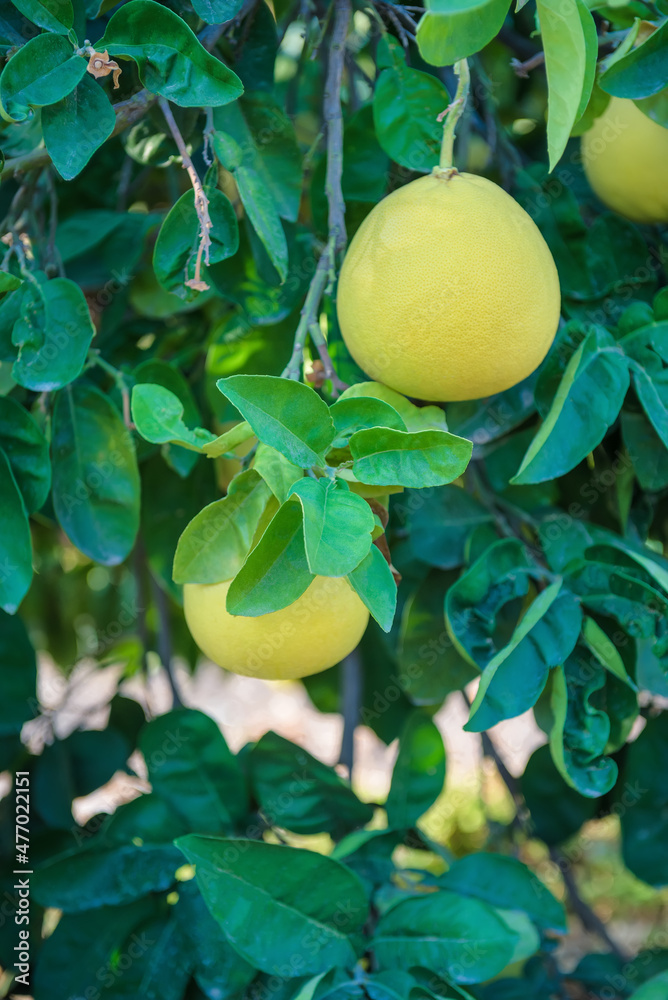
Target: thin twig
(164, 638)
(523, 69)
(351, 670)
(201, 201)
(309, 314)
(334, 124)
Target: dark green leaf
(16, 543)
(557, 810)
(440, 521)
(436, 930)
(27, 451)
(53, 335)
(406, 105)
(217, 541)
(643, 806)
(19, 675)
(275, 901)
(75, 127)
(287, 415)
(54, 15)
(170, 59)
(419, 772)
(95, 476)
(642, 72)
(298, 792)
(190, 766)
(337, 525)
(175, 251)
(506, 883)
(43, 71)
(217, 11)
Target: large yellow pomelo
(625, 157)
(448, 290)
(318, 630)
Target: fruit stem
(452, 114)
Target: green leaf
(75, 127)
(272, 901)
(95, 475)
(580, 732)
(454, 29)
(557, 810)
(419, 772)
(587, 402)
(158, 416)
(410, 458)
(287, 415)
(217, 11)
(605, 651)
(170, 59)
(642, 72)
(277, 471)
(474, 604)
(54, 15)
(162, 970)
(182, 460)
(175, 251)
(406, 105)
(431, 666)
(355, 413)
(642, 809)
(505, 882)
(654, 989)
(440, 521)
(337, 525)
(415, 418)
(256, 137)
(216, 542)
(16, 544)
(436, 930)
(569, 57)
(191, 767)
(373, 581)
(43, 71)
(514, 678)
(276, 572)
(83, 879)
(53, 335)
(264, 218)
(220, 973)
(19, 675)
(27, 451)
(646, 450)
(299, 793)
(9, 282)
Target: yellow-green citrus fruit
(318, 630)
(448, 290)
(625, 157)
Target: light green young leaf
(337, 525)
(410, 458)
(454, 29)
(43, 71)
(587, 402)
(15, 542)
(285, 414)
(355, 413)
(277, 471)
(158, 416)
(415, 418)
(76, 127)
(373, 582)
(170, 59)
(216, 542)
(276, 572)
(605, 651)
(562, 27)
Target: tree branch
(201, 202)
(164, 639)
(334, 124)
(351, 673)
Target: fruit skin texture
(448, 290)
(318, 630)
(625, 157)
